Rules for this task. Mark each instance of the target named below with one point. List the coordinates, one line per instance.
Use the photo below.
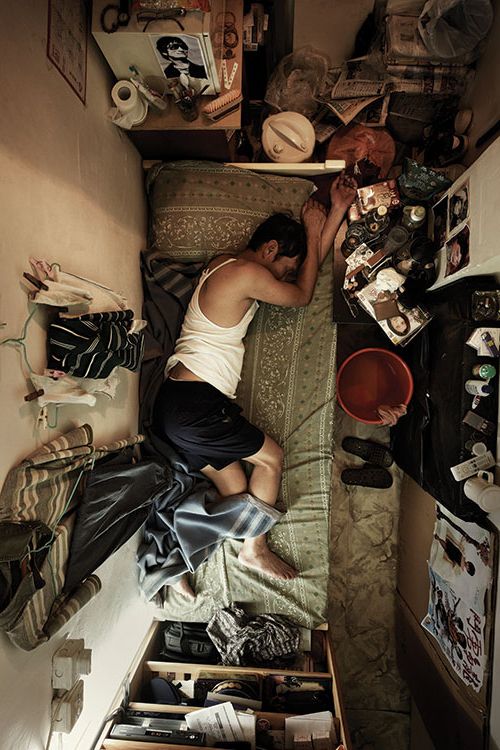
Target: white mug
(482, 491)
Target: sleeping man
(195, 409)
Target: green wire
(20, 341)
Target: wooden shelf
(146, 667)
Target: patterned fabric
(287, 387)
(92, 345)
(199, 209)
(41, 490)
(244, 641)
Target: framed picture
(187, 58)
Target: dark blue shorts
(204, 425)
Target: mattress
(287, 386)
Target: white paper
(219, 722)
(307, 724)
(247, 721)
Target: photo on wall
(184, 57)
(457, 251)
(458, 207)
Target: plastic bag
(297, 81)
(453, 28)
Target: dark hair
(288, 233)
(407, 324)
(163, 44)
(470, 568)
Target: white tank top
(214, 353)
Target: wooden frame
(144, 667)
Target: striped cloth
(39, 494)
(92, 345)
(189, 523)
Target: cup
(483, 492)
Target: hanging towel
(92, 345)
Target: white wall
(71, 190)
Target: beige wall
(329, 25)
(70, 191)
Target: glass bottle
(413, 217)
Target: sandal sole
(372, 453)
(376, 477)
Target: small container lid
(381, 210)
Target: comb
(223, 105)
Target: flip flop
(372, 453)
(368, 476)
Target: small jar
(413, 217)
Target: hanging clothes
(70, 390)
(92, 345)
(37, 519)
(69, 290)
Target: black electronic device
(135, 713)
(157, 722)
(150, 734)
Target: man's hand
(313, 217)
(343, 191)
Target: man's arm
(260, 283)
(342, 193)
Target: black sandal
(372, 453)
(368, 476)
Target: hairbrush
(223, 105)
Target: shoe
(462, 121)
(372, 453)
(367, 476)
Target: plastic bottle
(485, 371)
(478, 388)
(413, 217)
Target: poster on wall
(186, 58)
(67, 42)
(460, 574)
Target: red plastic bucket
(371, 378)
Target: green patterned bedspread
(287, 389)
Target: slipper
(368, 476)
(372, 453)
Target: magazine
(401, 328)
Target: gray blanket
(187, 525)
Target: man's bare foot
(256, 554)
(182, 587)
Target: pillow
(201, 208)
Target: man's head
(172, 47)
(281, 244)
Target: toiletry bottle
(486, 372)
(478, 388)
(413, 217)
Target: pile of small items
(390, 259)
